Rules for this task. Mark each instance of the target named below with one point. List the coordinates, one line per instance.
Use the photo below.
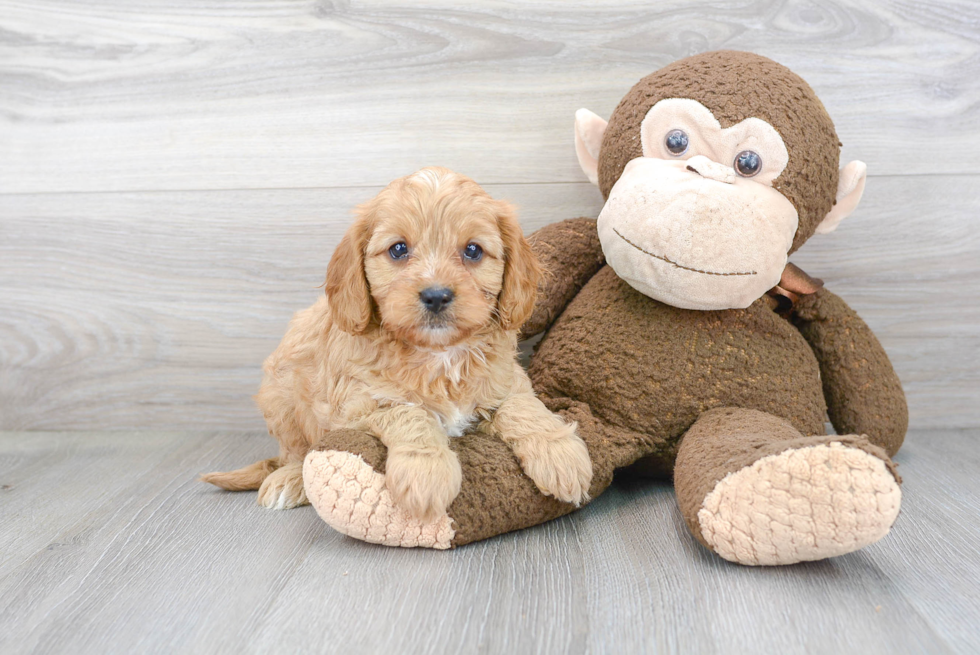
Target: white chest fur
(458, 421)
(445, 393)
(451, 364)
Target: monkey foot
(350, 495)
(801, 505)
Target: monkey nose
(436, 299)
(711, 169)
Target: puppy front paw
(423, 482)
(559, 464)
(283, 488)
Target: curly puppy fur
(372, 355)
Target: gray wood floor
(109, 544)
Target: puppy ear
(347, 285)
(521, 272)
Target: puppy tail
(243, 479)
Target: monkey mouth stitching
(673, 263)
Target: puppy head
(433, 259)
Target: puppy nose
(435, 300)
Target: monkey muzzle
(694, 234)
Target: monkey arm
(570, 255)
(863, 393)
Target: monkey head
(714, 169)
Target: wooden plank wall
(174, 174)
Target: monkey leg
(344, 480)
(756, 491)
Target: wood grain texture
(155, 310)
(153, 561)
(175, 175)
(180, 94)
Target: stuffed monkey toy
(682, 341)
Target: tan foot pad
(351, 497)
(801, 505)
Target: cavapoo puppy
(416, 342)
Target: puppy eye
(748, 163)
(399, 250)
(677, 142)
(473, 252)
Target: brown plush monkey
(682, 341)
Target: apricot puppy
(416, 342)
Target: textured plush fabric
(570, 254)
(852, 179)
(654, 369)
(731, 402)
(864, 395)
(736, 86)
(588, 141)
(756, 491)
(368, 448)
(709, 139)
(801, 505)
(694, 242)
(496, 496)
(350, 495)
(729, 439)
(636, 375)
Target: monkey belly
(654, 369)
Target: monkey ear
(347, 285)
(521, 271)
(850, 188)
(589, 129)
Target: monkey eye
(473, 252)
(399, 250)
(748, 163)
(677, 142)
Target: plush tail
(243, 479)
